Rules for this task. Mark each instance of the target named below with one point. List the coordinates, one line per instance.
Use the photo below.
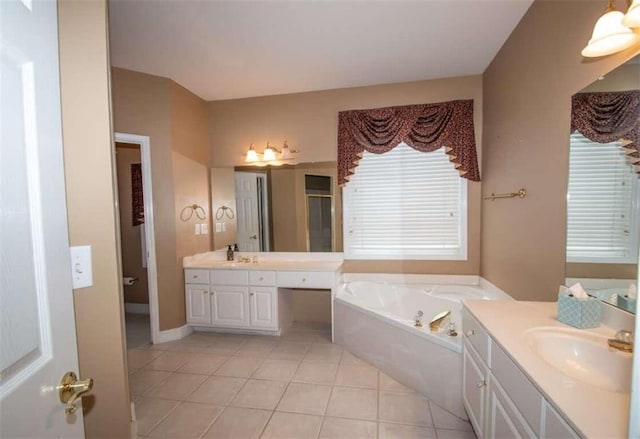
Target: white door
(248, 234)
(262, 304)
(37, 327)
(230, 306)
(198, 304)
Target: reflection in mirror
(289, 208)
(603, 205)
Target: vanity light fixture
(614, 31)
(252, 155)
(271, 155)
(632, 17)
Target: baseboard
(136, 308)
(174, 334)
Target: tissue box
(627, 303)
(579, 313)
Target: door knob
(253, 237)
(70, 389)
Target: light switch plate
(204, 228)
(197, 229)
(218, 227)
(81, 266)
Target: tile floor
(296, 386)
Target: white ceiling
(235, 49)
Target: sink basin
(583, 356)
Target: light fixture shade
(252, 155)
(286, 152)
(269, 154)
(609, 36)
(632, 17)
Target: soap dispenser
(229, 253)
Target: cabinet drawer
(476, 335)
(521, 391)
(267, 278)
(196, 276)
(230, 277)
(305, 279)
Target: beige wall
(312, 306)
(90, 182)
(173, 118)
(527, 102)
(308, 121)
(602, 271)
(130, 240)
(223, 193)
(192, 187)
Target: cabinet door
(504, 420)
(263, 302)
(555, 426)
(230, 306)
(474, 387)
(198, 304)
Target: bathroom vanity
(525, 374)
(252, 297)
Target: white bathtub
(374, 319)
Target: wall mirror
(603, 203)
(289, 208)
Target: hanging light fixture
(610, 35)
(632, 17)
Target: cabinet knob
(261, 278)
(205, 292)
(470, 332)
(195, 276)
(251, 294)
(481, 384)
(213, 292)
(304, 279)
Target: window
(405, 204)
(602, 203)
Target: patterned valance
(423, 127)
(605, 117)
(137, 197)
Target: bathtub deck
(297, 385)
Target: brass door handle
(253, 237)
(70, 389)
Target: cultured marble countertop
(266, 264)
(593, 412)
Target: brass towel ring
(188, 212)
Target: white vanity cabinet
(243, 299)
(500, 400)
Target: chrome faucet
(623, 341)
(435, 323)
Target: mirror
(603, 207)
(289, 208)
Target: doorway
(252, 204)
(137, 241)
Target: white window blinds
(602, 211)
(405, 204)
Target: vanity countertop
(302, 262)
(592, 411)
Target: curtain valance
(605, 117)
(424, 127)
